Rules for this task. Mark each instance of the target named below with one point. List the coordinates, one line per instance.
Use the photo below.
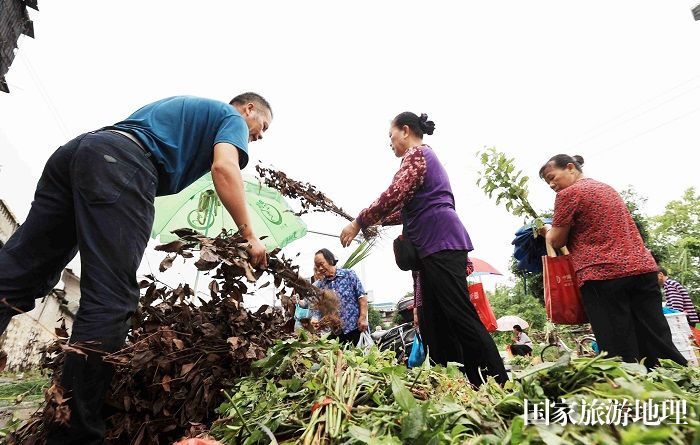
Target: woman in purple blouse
(420, 197)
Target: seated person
(301, 310)
(522, 345)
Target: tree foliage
(510, 300)
(635, 204)
(677, 231)
(498, 177)
(398, 319)
(374, 317)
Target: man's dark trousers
(95, 195)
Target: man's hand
(349, 233)
(362, 324)
(258, 254)
(229, 187)
(415, 318)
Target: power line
(617, 117)
(663, 124)
(45, 95)
(635, 116)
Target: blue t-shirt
(181, 132)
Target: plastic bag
(301, 312)
(696, 335)
(562, 296)
(365, 342)
(417, 356)
(483, 308)
(198, 442)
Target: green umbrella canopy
(198, 207)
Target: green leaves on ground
(319, 393)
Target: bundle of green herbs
(317, 392)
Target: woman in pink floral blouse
(420, 197)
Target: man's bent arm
(229, 186)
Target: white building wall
(27, 334)
(8, 223)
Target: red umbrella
(481, 267)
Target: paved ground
(21, 411)
(8, 408)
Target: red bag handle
(551, 251)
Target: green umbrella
(198, 207)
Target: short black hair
(328, 255)
(248, 97)
(517, 328)
(663, 271)
(561, 161)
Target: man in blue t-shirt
(96, 194)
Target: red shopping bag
(696, 335)
(198, 442)
(562, 296)
(478, 298)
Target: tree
(678, 231)
(635, 203)
(398, 319)
(510, 300)
(374, 317)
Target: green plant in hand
(360, 253)
(497, 177)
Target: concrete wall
(28, 333)
(8, 223)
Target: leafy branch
(497, 177)
(311, 198)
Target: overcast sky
(617, 82)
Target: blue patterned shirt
(349, 289)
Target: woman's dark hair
(517, 328)
(418, 124)
(561, 161)
(328, 255)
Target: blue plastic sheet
(528, 250)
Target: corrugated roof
(696, 12)
(6, 209)
(14, 21)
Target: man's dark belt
(133, 139)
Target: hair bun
(427, 126)
(578, 159)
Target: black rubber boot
(85, 379)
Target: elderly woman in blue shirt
(351, 293)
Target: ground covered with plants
(315, 392)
